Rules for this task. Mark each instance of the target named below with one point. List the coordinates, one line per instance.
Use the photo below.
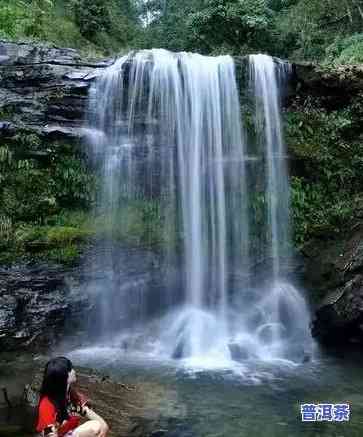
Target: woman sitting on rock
(59, 409)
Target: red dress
(48, 416)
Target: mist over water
(169, 137)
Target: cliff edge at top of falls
(43, 91)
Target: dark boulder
(334, 271)
(339, 319)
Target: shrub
(329, 150)
(65, 255)
(75, 185)
(347, 50)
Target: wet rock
(159, 433)
(130, 410)
(40, 85)
(334, 271)
(37, 307)
(339, 319)
(6, 128)
(41, 305)
(238, 352)
(307, 358)
(179, 351)
(54, 132)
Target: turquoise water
(255, 399)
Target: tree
(313, 25)
(239, 25)
(165, 23)
(107, 23)
(91, 17)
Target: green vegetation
(299, 29)
(137, 222)
(347, 50)
(329, 151)
(47, 205)
(94, 27)
(47, 191)
(33, 186)
(33, 241)
(243, 25)
(39, 193)
(109, 25)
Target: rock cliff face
(38, 306)
(43, 305)
(44, 91)
(334, 270)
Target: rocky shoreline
(129, 409)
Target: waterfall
(265, 75)
(167, 134)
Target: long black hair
(54, 385)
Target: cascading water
(282, 299)
(167, 131)
(265, 75)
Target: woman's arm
(91, 415)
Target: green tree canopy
(235, 24)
